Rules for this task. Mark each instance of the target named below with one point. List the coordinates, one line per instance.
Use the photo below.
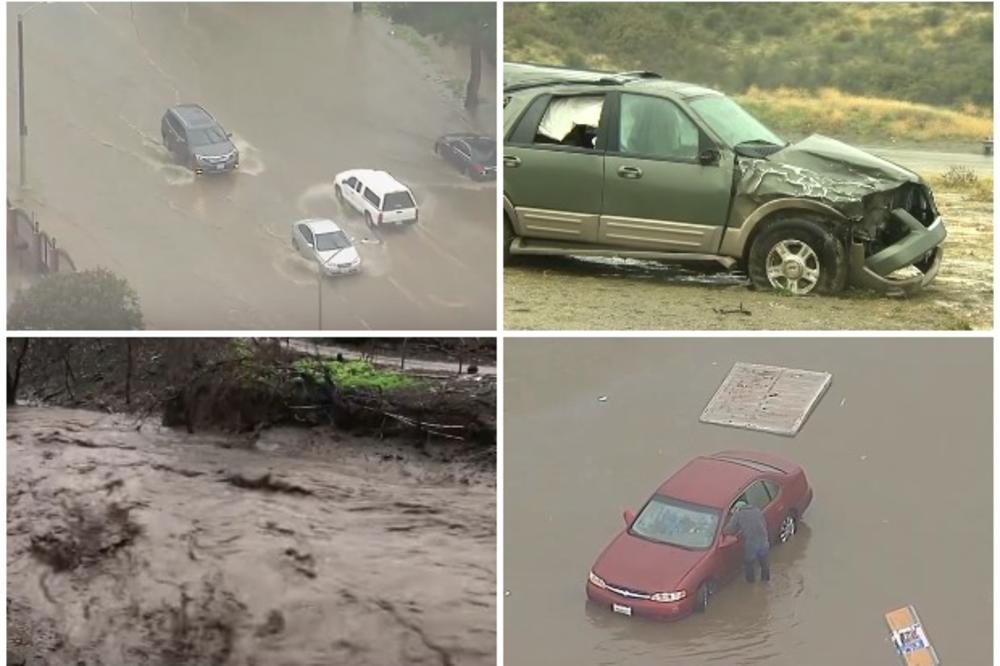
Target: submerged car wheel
(701, 598)
(798, 256)
(368, 220)
(787, 529)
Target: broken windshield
(675, 523)
(732, 122)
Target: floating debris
(767, 398)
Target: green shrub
(357, 374)
(90, 300)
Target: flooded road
(898, 453)
(308, 90)
(302, 548)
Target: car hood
(346, 256)
(215, 149)
(823, 169)
(645, 566)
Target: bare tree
(14, 380)
(128, 371)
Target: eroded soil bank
(137, 545)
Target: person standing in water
(747, 522)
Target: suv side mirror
(629, 517)
(709, 156)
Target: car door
(665, 188)
(355, 196)
(305, 241)
(553, 166)
(463, 155)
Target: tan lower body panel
(658, 234)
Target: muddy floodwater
(898, 453)
(301, 548)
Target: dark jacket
(749, 525)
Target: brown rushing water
(358, 553)
(898, 453)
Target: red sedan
(672, 557)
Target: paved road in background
(308, 90)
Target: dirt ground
(150, 547)
(569, 293)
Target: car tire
(508, 238)
(798, 255)
(340, 193)
(369, 221)
(295, 244)
(701, 598)
(789, 526)
(437, 148)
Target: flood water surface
(898, 453)
(151, 547)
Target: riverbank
(251, 385)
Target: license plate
(624, 610)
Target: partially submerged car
(196, 139)
(474, 155)
(323, 242)
(673, 555)
(376, 195)
(632, 165)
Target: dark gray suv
(197, 140)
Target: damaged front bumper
(920, 247)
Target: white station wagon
(379, 197)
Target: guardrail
(31, 251)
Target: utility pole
(319, 293)
(22, 124)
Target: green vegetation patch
(357, 374)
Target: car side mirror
(629, 517)
(709, 156)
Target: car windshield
(332, 240)
(484, 150)
(207, 136)
(676, 523)
(397, 201)
(732, 122)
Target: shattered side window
(655, 127)
(571, 121)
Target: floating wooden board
(907, 634)
(767, 398)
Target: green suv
(632, 165)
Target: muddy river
(302, 548)
(898, 452)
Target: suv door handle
(630, 172)
(512, 162)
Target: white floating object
(602, 398)
(766, 398)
